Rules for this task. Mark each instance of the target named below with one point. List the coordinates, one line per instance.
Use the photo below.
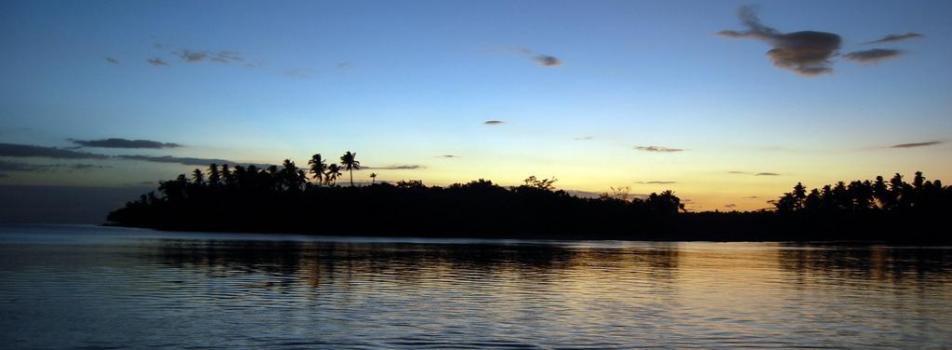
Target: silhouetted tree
(333, 171)
(373, 178)
(214, 177)
(350, 163)
(317, 167)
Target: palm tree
(350, 164)
(333, 171)
(318, 167)
(373, 178)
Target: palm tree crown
(350, 164)
(318, 167)
(333, 171)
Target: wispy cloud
(112, 60)
(493, 122)
(176, 160)
(765, 173)
(730, 205)
(18, 150)
(895, 37)
(584, 138)
(916, 144)
(35, 167)
(548, 61)
(806, 52)
(658, 149)
(227, 57)
(448, 156)
(124, 143)
(657, 182)
(31, 151)
(872, 55)
(197, 56)
(155, 61)
(192, 56)
(394, 167)
(544, 60)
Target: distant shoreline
(284, 199)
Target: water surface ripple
(102, 288)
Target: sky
(728, 103)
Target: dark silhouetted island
(288, 199)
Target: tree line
(287, 198)
(862, 196)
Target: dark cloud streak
(658, 149)
(124, 143)
(872, 55)
(176, 160)
(896, 37)
(17, 150)
(916, 144)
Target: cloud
(751, 197)
(155, 61)
(394, 167)
(176, 160)
(493, 122)
(17, 150)
(540, 59)
(192, 56)
(227, 57)
(33, 167)
(730, 205)
(916, 144)
(123, 143)
(806, 52)
(448, 156)
(112, 60)
(656, 182)
(895, 37)
(21, 166)
(547, 61)
(872, 55)
(658, 149)
(739, 172)
(584, 138)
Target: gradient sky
(579, 86)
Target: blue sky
(403, 83)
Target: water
(93, 287)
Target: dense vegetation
(291, 199)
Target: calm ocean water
(94, 287)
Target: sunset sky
(723, 102)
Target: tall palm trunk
(352, 177)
